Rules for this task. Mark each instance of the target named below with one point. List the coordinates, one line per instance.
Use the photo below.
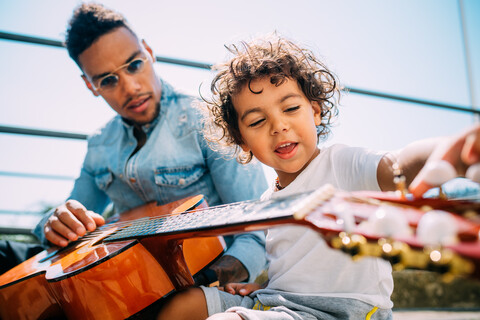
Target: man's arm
(235, 182)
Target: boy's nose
(279, 126)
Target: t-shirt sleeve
(357, 168)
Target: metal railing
(207, 66)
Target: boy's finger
(418, 188)
(471, 150)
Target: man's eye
(292, 109)
(135, 66)
(256, 123)
(109, 82)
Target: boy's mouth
(285, 148)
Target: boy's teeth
(285, 148)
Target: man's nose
(130, 83)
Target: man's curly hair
(89, 22)
(274, 57)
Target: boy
(272, 101)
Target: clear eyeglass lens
(135, 66)
(110, 81)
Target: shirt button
(181, 181)
(133, 180)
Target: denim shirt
(174, 163)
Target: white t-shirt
(301, 261)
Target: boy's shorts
(271, 305)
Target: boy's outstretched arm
(460, 151)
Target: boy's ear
(317, 112)
(90, 86)
(244, 147)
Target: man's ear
(90, 86)
(147, 47)
(317, 112)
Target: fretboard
(247, 213)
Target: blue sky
(409, 48)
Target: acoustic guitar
(86, 282)
(93, 279)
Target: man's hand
(242, 289)
(70, 221)
(229, 269)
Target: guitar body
(91, 279)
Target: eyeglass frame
(114, 73)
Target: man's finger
(81, 214)
(97, 218)
(62, 229)
(67, 218)
(54, 237)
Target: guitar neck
(221, 220)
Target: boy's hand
(461, 152)
(242, 289)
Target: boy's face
(278, 126)
(136, 95)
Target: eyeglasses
(110, 81)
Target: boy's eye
(292, 109)
(256, 123)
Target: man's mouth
(138, 105)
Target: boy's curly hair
(89, 22)
(270, 56)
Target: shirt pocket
(179, 177)
(103, 180)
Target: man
(151, 151)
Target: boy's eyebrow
(288, 96)
(256, 109)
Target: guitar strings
(121, 224)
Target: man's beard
(154, 116)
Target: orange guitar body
(113, 280)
